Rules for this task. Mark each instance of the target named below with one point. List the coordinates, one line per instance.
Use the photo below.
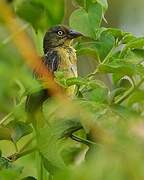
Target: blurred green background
(124, 14)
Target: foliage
(103, 123)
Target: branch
(16, 156)
(129, 93)
(81, 140)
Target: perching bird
(58, 55)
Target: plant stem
(16, 147)
(39, 166)
(127, 94)
(81, 140)
(108, 56)
(103, 62)
(21, 152)
(16, 156)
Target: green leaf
(54, 11)
(87, 21)
(87, 48)
(122, 69)
(98, 95)
(71, 153)
(117, 33)
(135, 44)
(31, 11)
(80, 22)
(95, 91)
(51, 142)
(41, 14)
(75, 81)
(105, 44)
(128, 38)
(133, 56)
(84, 3)
(139, 53)
(136, 97)
(18, 130)
(95, 15)
(99, 48)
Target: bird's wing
(51, 59)
(35, 100)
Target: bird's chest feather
(68, 61)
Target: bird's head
(58, 36)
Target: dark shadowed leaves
(9, 171)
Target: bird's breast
(68, 64)
(68, 61)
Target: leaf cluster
(102, 125)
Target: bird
(59, 55)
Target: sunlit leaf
(135, 44)
(51, 143)
(125, 69)
(87, 21)
(95, 91)
(99, 48)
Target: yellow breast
(68, 60)
(68, 64)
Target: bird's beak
(74, 34)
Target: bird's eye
(60, 33)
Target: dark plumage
(58, 55)
(58, 36)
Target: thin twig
(129, 93)
(16, 156)
(81, 140)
